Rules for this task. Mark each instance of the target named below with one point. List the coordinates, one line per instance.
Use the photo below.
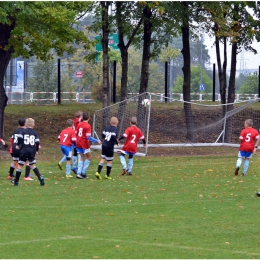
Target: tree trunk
(231, 92)
(124, 55)
(232, 79)
(147, 13)
(5, 57)
(105, 32)
(186, 76)
(146, 50)
(222, 71)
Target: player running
(132, 134)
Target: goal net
(124, 111)
(177, 123)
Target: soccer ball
(146, 102)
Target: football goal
(174, 123)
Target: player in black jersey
(15, 152)
(28, 144)
(109, 136)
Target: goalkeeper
(249, 138)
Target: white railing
(200, 96)
(48, 97)
(84, 97)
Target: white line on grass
(128, 243)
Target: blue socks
(67, 169)
(246, 165)
(123, 161)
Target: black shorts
(15, 156)
(107, 154)
(22, 160)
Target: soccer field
(184, 207)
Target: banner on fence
(20, 77)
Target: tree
(126, 12)
(45, 76)
(195, 81)
(250, 86)
(35, 28)
(185, 29)
(234, 23)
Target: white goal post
(177, 123)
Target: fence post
(59, 82)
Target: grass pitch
(186, 207)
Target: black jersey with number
(16, 134)
(28, 142)
(110, 137)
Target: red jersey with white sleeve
(67, 137)
(83, 131)
(132, 134)
(247, 137)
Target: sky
(246, 61)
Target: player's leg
(32, 163)
(123, 162)
(12, 167)
(27, 176)
(88, 157)
(130, 163)
(248, 156)
(80, 162)
(63, 159)
(109, 168)
(21, 162)
(109, 159)
(100, 167)
(68, 163)
(67, 152)
(74, 160)
(239, 162)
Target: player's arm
(114, 139)
(19, 141)
(256, 144)
(122, 137)
(37, 144)
(143, 140)
(92, 139)
(3, 142)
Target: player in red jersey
(248, 138)
(83, 134)
(132, 134)
(67, 139)
(76, 121)
(75, 157)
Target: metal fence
(48, 98)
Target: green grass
(186, 207)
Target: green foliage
(250, 86)
(168, 54)
(42, 26)
(44, 77)
(196, 73)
